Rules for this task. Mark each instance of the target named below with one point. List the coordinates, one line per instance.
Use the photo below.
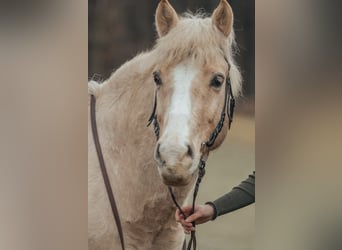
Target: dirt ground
(227, 167)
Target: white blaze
(177, 128)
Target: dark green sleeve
(240, 196)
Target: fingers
(179, 216)
(203, 213)
(187, 209)
(193, 217)
(189, 229)
(181, 220)
(187, 226)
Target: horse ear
(166, 18)
(222, 17)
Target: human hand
(202, 214)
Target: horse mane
(195, 38)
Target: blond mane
(196, 38)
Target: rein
(104, 171)
(228, 108)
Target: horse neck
(127, 96)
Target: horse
(186, 72)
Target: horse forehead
(191, 69)
(184, 72)
(183, 76)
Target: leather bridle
(228, 109)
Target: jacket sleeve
(239, 197)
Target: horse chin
(171, 178)
(176, 183)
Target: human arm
(240, 196)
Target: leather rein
(228, 108)
(104, 170)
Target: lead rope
(201, 173)
(104, 170)
(229, 98)
(199, 179)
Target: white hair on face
(179, 113)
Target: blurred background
(118, 30)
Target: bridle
(228, 109)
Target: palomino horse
(186, 70)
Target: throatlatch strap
(104, 171)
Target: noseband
(228, 109)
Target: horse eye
(217, 81)
(156, 78)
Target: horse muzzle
(174, 163)
(175, 176)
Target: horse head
(194, 61)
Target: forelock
(195, 38)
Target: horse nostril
(190, 152)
